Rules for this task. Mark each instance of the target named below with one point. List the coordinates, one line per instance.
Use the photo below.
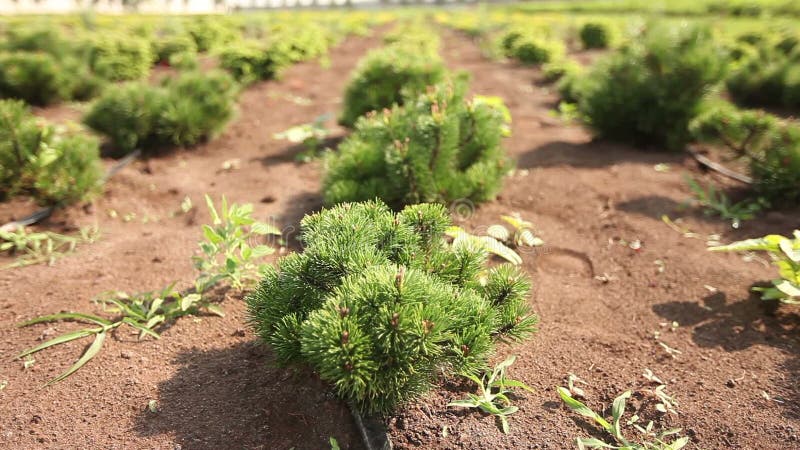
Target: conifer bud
(344, 311)
(395, 320)
(398, 279)
(464, 350)
(348, 366)
(427, 326)
(345, 337)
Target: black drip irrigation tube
(47, 211)
(373, 431)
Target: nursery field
(585, 163)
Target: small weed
(227, 252)
(652, 440)
(334, 443)
(228, 258)
(785, 254)
(310, 135)
(42, 247)
(499, 240)
(715, 202)
(492, 395)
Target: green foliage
(492, 395)
(379, 304)
(389, 76)
(198, 106)
(128, 115)
(120, 57)
(653, 441)
(785, 253)
(560, 69)
(250, 61)
(228, 251)
(766, 77)
(715, 202)
(166, 47)
(34, 38)
(437, 148)
(209, 32)
(33, 77)
(596, 35)
(183, 111)
(311, 135)
(531, 49)
(648, 92)
(498, 240)
(42, 246)
(770, 146)
(54, 165)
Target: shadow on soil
(740, 325)
(593, 154)
(237, 398)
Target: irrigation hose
(48, 210)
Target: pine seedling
(652, 440)
(437, 147)
(381, 305)
(785, 254)
(492, 395)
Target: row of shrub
(379, 303)
(658, 91)
(252, 60)
(55, 165)
(45, 62)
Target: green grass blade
(582, 409)
(66, 316)
(90, 353)
(143, 328)
(59, 340)
(516, 384)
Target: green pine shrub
(438, 147)
(557, 70)
(771, 147)
(183, 111)
(596, 35)
(649, 91)
(766, 76)
(532, 49)
(120, 57)
(52, 164)
(128, 115)
(33, 77)
(198, 106)
(34, 38)
(380, 305)
(166, 47)
(386, 77)
(212, 32)
(250, 61)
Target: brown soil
(217, 388)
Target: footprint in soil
(565, 262)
